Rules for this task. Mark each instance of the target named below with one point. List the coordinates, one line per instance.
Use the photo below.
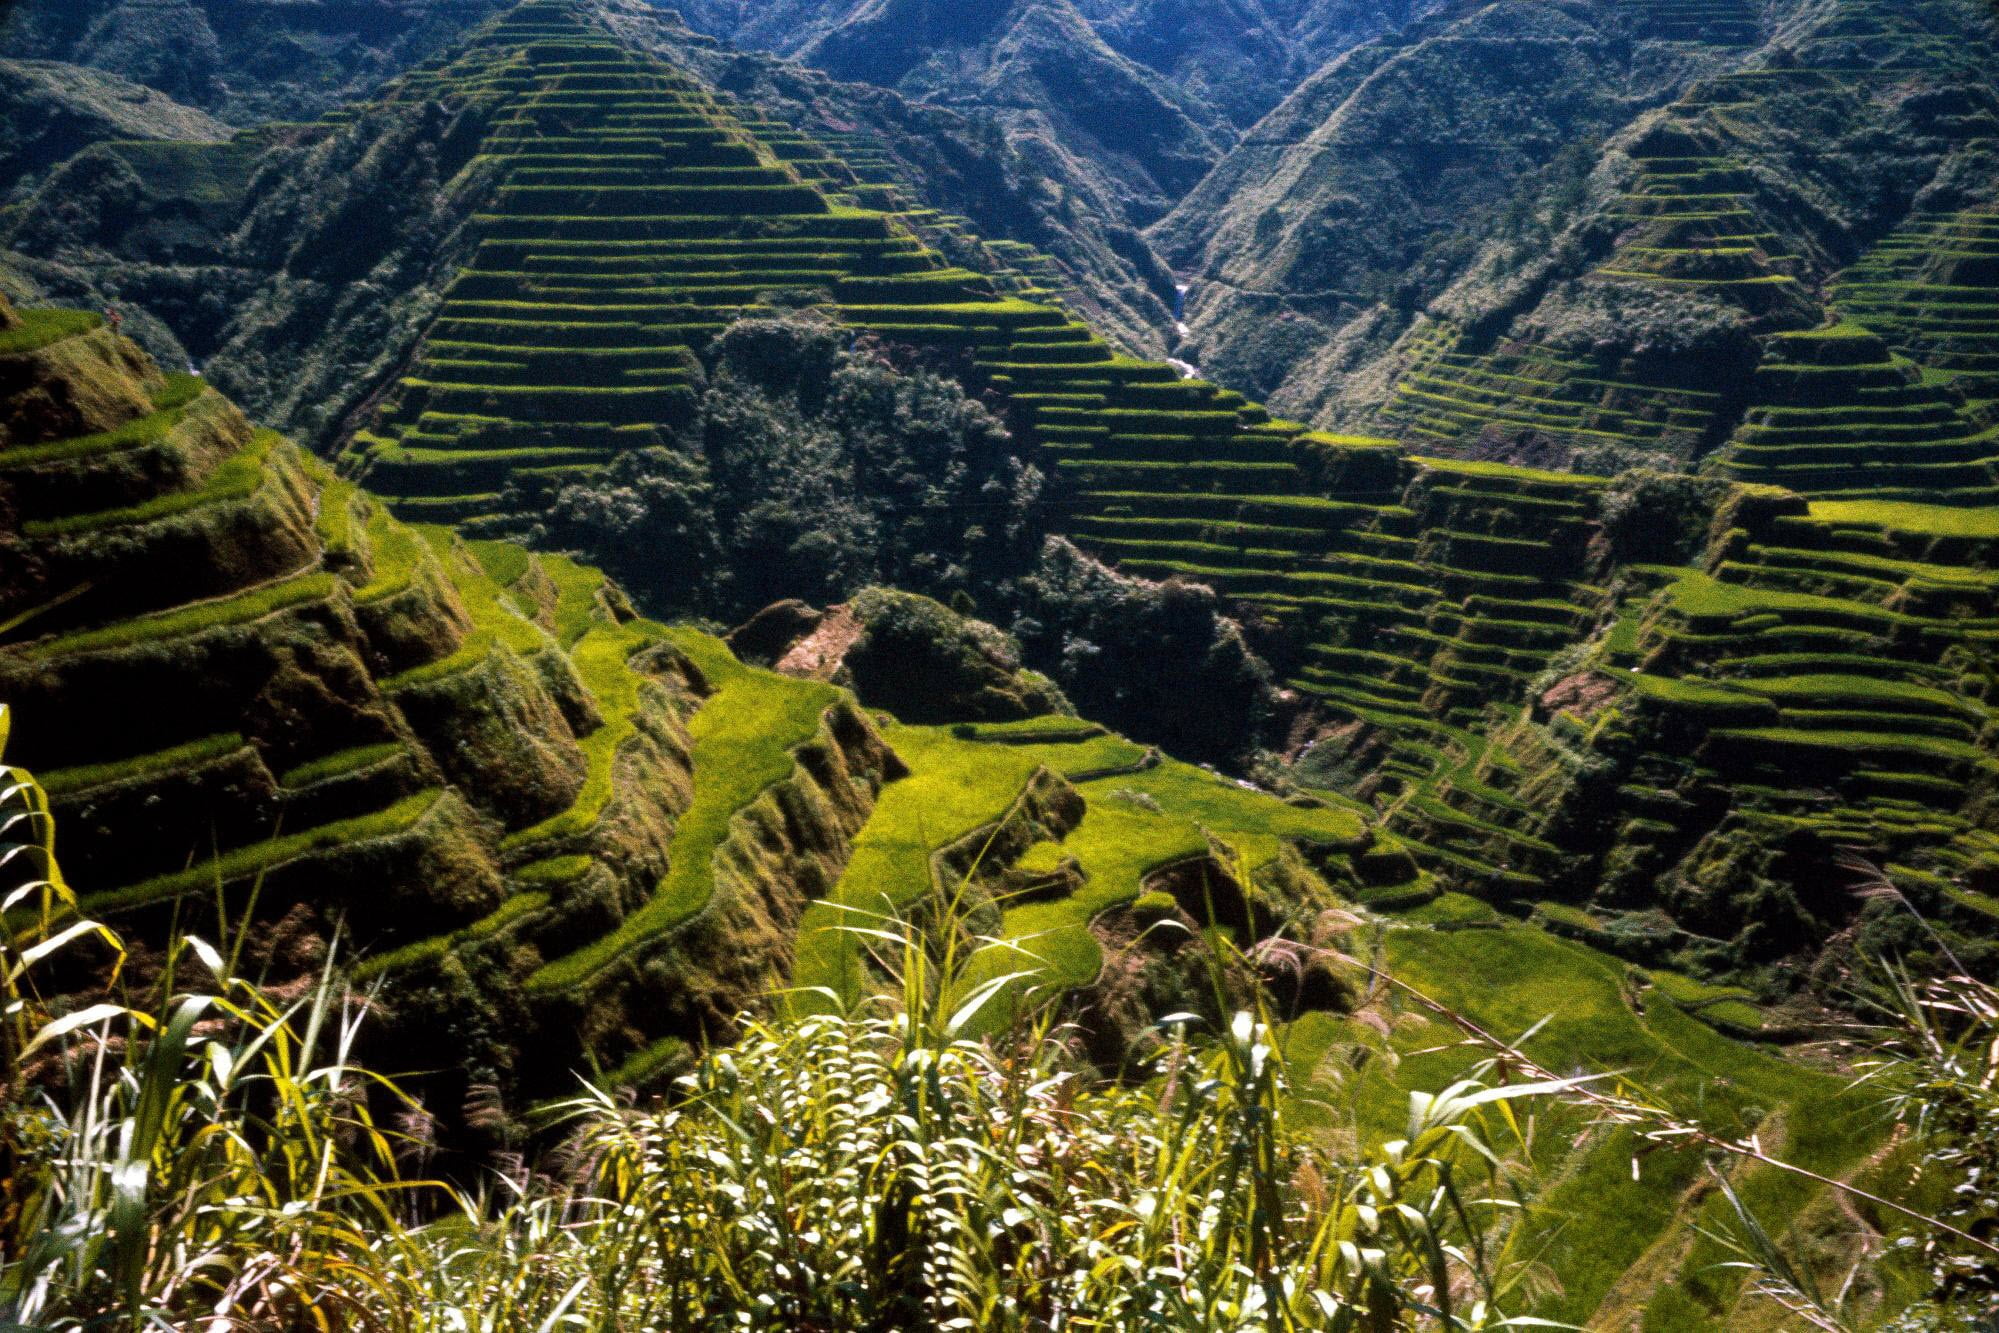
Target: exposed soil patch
(821, 653)
(1584, 695)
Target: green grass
(603, 661)
(1689, 993)
(1592, 1223)
(1032, 731)
(243, 861)
(1135, 823)
(743, 736)
(514, 909)
(504, 562)
(953, 787)
(254, 605)
(1920, 519)
(170, 408)
(1702, 596)
(576, 588)
(1824, 690)
(237, 478)
(495, 621)
(39, 328)
(397, 552)
(1122, 840)
(340, 764)
(64, 781)
(1862, 743)
(554, 870)
(1507, 472)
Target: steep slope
(290, 264)
(1358, 199)
(296, 264)
(243, 62)
(1416, 604)
(570, 836)
(53, 112)
(1932, 291)
(914, 156)
(1043, 72)
(475, 759)
(1228, 63)
(564, 835)
(654, 214)
(1707, 226)
(1242, 57)
(1442, 624)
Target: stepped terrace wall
(1539, 720)
(1708, 226)
(1932, 291)
(1694, 776)
(1414, 601)
(1835, 414)
(635, 214)
(241, 676)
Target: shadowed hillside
(1597, 288)
(473, 757)
(247, 62)
(1652, 708)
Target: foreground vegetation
(212, 1156)
(217, 1159)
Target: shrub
(813, 469)
(1157, 661)
(215, 1160)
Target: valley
(1603, 659)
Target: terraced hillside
(1819, 685)
(570, 835)
(1367, 195)
(1527, 398)
(570, 838)
(1422, 607)
(1932, 290)
(1709, 226)
(239, 673)
(1667, 757)
(1834, 413)
(634, 215)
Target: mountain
(467, 757)
(1619, 654)
(1054, 86)
(1535, 674)
(560, 837)
(1111, 111)
(1242, 57)
(1629, 230)
(242, 62)
(53, 112)
(1228, 63)
(568, 835)
(1373, 182)
(241, 257)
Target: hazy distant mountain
(242, 60)
(1227, 62)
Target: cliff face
(235, 673)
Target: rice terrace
(875, 665)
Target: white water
(1188, 370)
